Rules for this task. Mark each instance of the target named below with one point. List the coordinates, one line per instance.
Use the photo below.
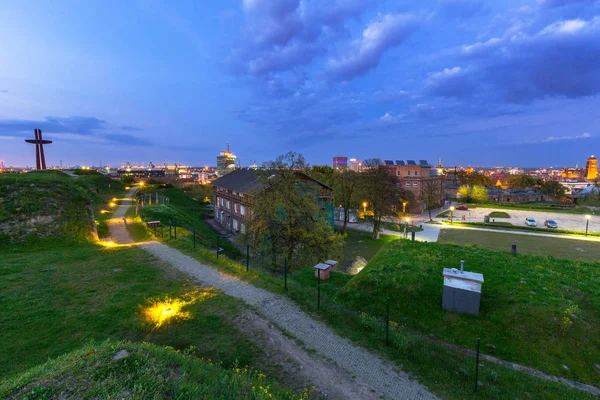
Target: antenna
(227, 147)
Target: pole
(217, 246)
(387, 321)
(194, 233)
(587, 223)
(451, 216)
(318, 289)
(477, 366)
(175, 228)
(285, 272)
(413, 236)
(247, 257)
(162, 231)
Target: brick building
(419, 179)
(232, 197)
(499, 195)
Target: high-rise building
(355, 165)
(225, 161)
(592, 168)
(340, 163)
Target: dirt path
(362, 367)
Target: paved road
(430, 232)
(367, 368)
(118, 231)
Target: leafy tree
(288, 218)
(554, 189)
(479, 194)
(474, 178)
(346, 186)
(464, 192)
(380, 190)
(521, 181)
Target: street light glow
(588, 217)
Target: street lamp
(451, 214)
(587, 223)
(406, 222)
(403, 207)
(364, 207)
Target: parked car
(530, 221)
(463, 208)
(550, 223)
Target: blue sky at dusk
(469, 81)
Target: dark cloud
(87, 127)
(559, 60)
(381, 34)
(561, 3)
(129, 128)
(460, 8)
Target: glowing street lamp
(406, 222)
(404, 207)
(587, 223)
(112, 204)
(451, 214)
(142, 184)
(364, 207)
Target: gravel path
(367, 368)
(116, 225)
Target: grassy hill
(145, 371)
(539, 311)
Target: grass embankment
(145, 371)
(537, 206)
(499, 214)
(537, 245)
(538, 311)
(396, 227)
(448, 373)
(42, 204)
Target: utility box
(333, 263)
(462, 291)
(324, 271)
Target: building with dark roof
(233, 197)
(421, 180)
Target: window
(416, 172)
(243, 230)
(222, 202)
(407, 184)
(228, 205)
(242, 210)
(407, 173)
(397, 172)
(235, 224)
(414, 184)
(235, 207)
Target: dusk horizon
(465, 81)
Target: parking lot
(517, 217)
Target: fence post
(477, 366)
(387, 321)
(194, 233)
(170, 230)
(318, 289)
(217, 246)
(285, 272)
(247, 257)
(513, 249)
(175, 229)
(162, 231)
(412, 236)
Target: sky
(513, 82)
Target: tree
(554, 189)
(479, 194)
(521, 181)
(464, 192)
(345, 193)
(380, 190)
(288, 216)
(430, 193)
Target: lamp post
(403, 207)
(406, 222)
(364, 209)
(587, 223)
(451, 214)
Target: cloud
(3, 91)
(380, 35)
(71, 128)
(559, 60)
(584, 135)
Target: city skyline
(513, 84)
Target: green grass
(56, 299)
(522, 228)
(360, 243)
(570, 249)
(498, 214)
(539, 206)
(392, 226)
(146, 372)
(538, 311)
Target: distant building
(340, 163)
(355, 165)
(225, 161)
(233, 197)
(592, 168)
(417, 179)
(499, 195)
(573, 173)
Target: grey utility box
(462, 291)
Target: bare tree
(430, 194)
(380, 189)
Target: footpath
(380, 377)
